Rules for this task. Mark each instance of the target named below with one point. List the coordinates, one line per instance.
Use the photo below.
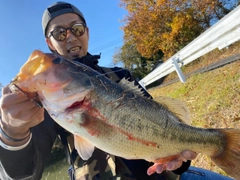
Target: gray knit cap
(58, 9)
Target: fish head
(63, 87)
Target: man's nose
(70, 36)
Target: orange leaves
(154, 25)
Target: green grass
(213, 99)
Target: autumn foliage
(167, 26)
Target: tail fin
(229, 159)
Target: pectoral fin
(84, 148)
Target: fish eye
(57, 60)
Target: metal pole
(178, 70)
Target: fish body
(118, 119)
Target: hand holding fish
(172, 165)
(19, 114)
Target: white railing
(222, 34)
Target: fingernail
(188, 155)
(170, 166)
(159, 169)
(150, 172)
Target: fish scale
(118, 119)
(130, 117)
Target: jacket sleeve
(27, 164)
(131, 163)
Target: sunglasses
(60, 34)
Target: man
(28, 133)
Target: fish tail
(229, 158)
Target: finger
(26, 110)
(151, 170)
(35, 117)
(173, 165)
(13, 100)
(160, 168)
(6, 90)
(28, 118)
(38, 113)
(19, 97)
(189, 155)
(32, 96)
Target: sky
(21, 31)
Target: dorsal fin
(130, 86)
(177, 107)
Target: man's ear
(49, 43)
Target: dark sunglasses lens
(59, 34)
(78, 29)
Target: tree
(167, 26)
(154, 28)
(132, 60)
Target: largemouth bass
(118, 119)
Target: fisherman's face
(73, 46)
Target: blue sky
(21, 31)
